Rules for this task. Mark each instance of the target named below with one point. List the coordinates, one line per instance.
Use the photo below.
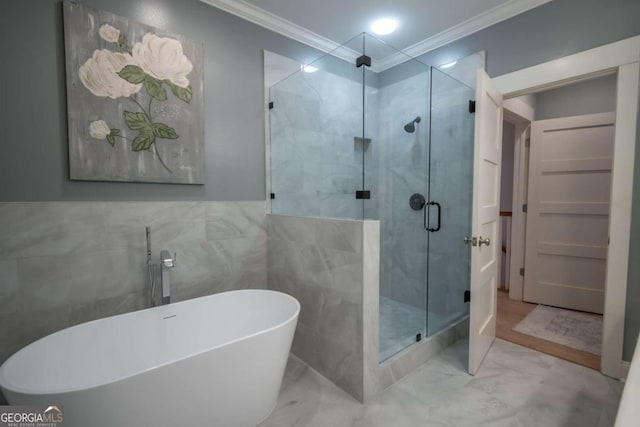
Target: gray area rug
(573, 329)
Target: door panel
(568, 211)
(485, 217)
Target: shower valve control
(417, 201)
(473, 241)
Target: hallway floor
(511, 312)
(515, 386)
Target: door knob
(482, 241)
(470, 241)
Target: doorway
(556, 181)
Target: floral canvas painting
(134, 100)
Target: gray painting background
(96, 160)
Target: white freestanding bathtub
(211, 361)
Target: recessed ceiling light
(308, 68)
(384, 26)
(449, 64)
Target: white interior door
(485, 250)
(570, 167)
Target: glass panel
(450, 184)
(396, 166)
(316, 131)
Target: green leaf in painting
(182, 93)
(111, 138)
(163, 131)
(143, 141)
(138, 121)
(133, 74)
(154, 88)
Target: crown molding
(464, 29)
(296, 32)
(270, 21)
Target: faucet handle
(166, 259)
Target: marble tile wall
(316, 164)
(64, 263)
(399, 167)
(332, 267)
(320, 262)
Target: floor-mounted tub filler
(212, 361)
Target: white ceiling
(423, 24)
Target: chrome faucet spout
(166, 262)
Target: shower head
(411, 126)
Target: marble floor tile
(515, 386)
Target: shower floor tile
(515, 386)
(399, 323)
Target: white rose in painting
(99, 129)
(109, 33)
(99, 74)
(162, 58)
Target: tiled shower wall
(316, 161)
(399, 167)
(64, 263)
(320, 262)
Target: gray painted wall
(34, 164)
(553, 30)
(592, 96)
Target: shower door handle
(439, 217)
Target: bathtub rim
(293, 317)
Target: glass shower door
(396, 124)
(450, 185)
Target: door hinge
(363, 60)
(472, 106)
(271, 106)
(363, 194)
(273, 196)
(467, 296)
(527, 142)
(524, 208)
(522, 272)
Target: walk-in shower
(341, 147)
